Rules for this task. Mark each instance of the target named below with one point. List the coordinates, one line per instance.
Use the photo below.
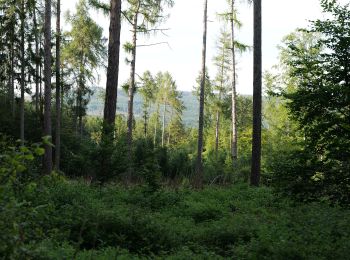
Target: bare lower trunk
(155, 127)
(22, 73)
(217, 127)
(112, 70)
(163, 123)
(36, 63)
(13, 108)
(131, 97)
(234, 145)
(198, 179)
(145, 122)
(58, 88)
(47, 79)
(41, 103)
(169, 128)
(257, 98)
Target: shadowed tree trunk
(234, 145)
(58, 88)
(131, 94)
(155, 126)
(36, 37)
(256, 145)
(41, 102)
(13, 108)
(163, 122)
(217, 133)
(112, 70)
(47, 92)
(22, 73)
(198, 178)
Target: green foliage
(315, 88)
(74, 220)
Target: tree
(257, 97)
(142, 15)
(47, 80)
(316, 62)
(148, 91)
(112, 69)
(234, 145)
(58, 87)
(223, 63)
(22, 16)
(198, 180)
(84, 53)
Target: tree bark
(41, 103)
(217, 133)
(36, 61)
(257, 99)
(169, 128)
(22, 73)
(156, 126)
(131, 93)
(163, 122)
(58, 88)
(198, 179)
(47, 80)
(13, 103)
(112, 70)
(234, 145)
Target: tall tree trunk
(145, 118)
(41, 103)
(217, 128)
(58, 88)
(22, 72)
(169, 128)
(36, 62)
(257, 99)
(163, 123)
(234, 145)
(112, 70)
(47, 79)
(131, 94)
(217, 133)
(13, 103)
(156, 126)
(198, 179)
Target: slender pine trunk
(12, 98)
(257, 98)
(58, 88)
(234, 145)
(36, 38)
(131, 95)
(198, 179)
(217, 133)
(47, 79)
(41, 101)
(163, 122)
(22, 72)
(156, 126)
(145, 120)
(169, 128)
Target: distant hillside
(95, 107)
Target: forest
(144, 170)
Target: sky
(182, 55)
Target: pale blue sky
(183, 59)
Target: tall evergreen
(257, 97)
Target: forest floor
(72, 220)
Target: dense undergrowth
(60, 219)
